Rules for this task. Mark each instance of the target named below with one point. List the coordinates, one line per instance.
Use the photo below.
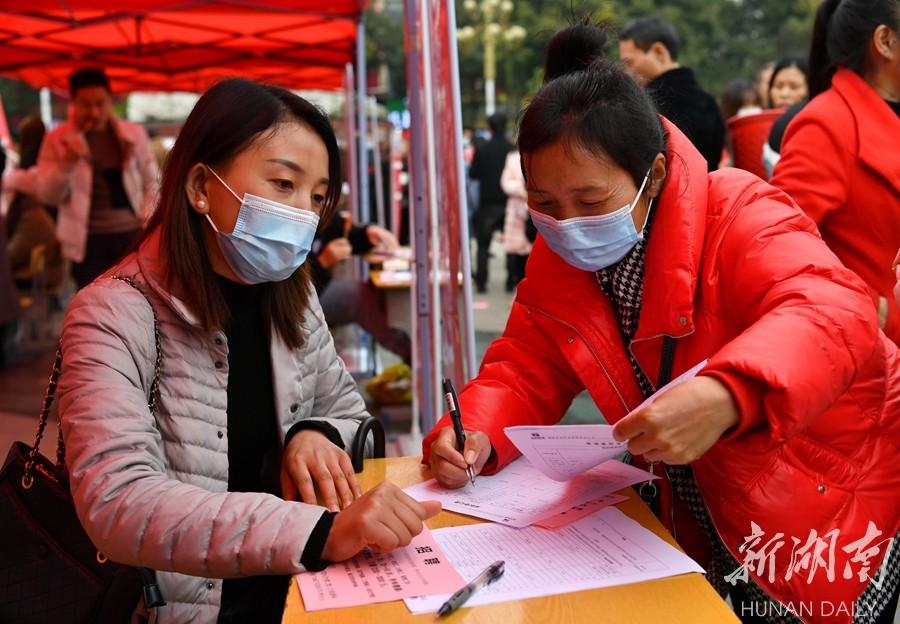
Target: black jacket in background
(487, 167)
(357, 237)
(679, 98)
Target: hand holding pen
(456, 418)
(456, 459)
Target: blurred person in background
(29, 223)
(840, 160)
(763, 78)
(789, 83)
(101, 173)
(487, 167)
(515, 237)
(9, 298)
(649, 47)
(788, 89)
(346, 300)
(738, 98)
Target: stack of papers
(521, 495)
(602, 550)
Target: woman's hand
(383, 518)
(334, 252)
(311, 461)
(381, 238)
(448, 465)
(682, 424)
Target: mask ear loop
(219, 178)
(649, 205)
(213, 171)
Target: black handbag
(49, 569)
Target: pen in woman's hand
(456, 419)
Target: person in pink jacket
(216, 487)
(101, 173)
(515, 239)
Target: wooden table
(687, 598)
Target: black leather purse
(49, 569)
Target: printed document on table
(602, 550)
(563, 451)
(419, 569)
(520, 495)
(580, 511)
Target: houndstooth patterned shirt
(623, 284)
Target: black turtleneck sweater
(254, 454)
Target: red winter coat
(840, 162)
(737, 274)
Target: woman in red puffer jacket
(840, 160)
(647, 265)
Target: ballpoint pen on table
(456, 418)
(491, 574)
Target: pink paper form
(420, 569)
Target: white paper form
(563, 451)
(602, 550)
(683, 377)
(520, 495)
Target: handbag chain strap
(27, 475)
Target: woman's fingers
(326, 486)
(478, 449)
(346, 467)
(303, 482)
(288, 489)
(444, 447)
(342, 487)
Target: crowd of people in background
(849, 188)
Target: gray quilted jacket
(152, 490)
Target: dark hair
(497, 123)
(599, 109)
(31, 135)
(734, 97)
(841, 36)
(574, 47)
(87, 77)
(784, 63)
(224, 122)
(646, 31)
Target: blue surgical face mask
(596, 242)
(270, 240)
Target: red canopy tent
(171, 45)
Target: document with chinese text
(520, 495)
(419, 569)
(602, 550)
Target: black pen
(456, 418)
(491, 574)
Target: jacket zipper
(590, 348)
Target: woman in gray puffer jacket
(254, 408)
